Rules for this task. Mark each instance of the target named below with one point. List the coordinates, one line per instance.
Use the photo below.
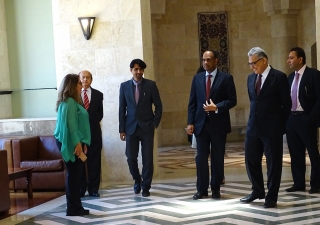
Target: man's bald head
(86, 78)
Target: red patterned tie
(208, 86)
(86, 100)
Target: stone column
(317, 12)
(5, 99)
(283, 30)
(122, 32)
(284, 37)
(148, 58)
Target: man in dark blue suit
(270, 105)
(303, 121)
(212, 95)
(137, 122)
(91, 175)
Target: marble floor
(19, 201)
(171, 198)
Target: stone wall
(5, 100)
(275, 28)
(122, 32)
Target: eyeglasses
(254, 63)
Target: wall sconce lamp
(86, 26)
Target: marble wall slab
(122, 32)
(5, 106)
(27, 127)
(5, 100)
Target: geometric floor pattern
(171, 203)
(171, 198)
(234, 157)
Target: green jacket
(72, 127)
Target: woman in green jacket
(72, 133)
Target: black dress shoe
(216, 194)
(200, 195)
(94, 194)
(80, 213)
(270, 204)
(313, 190)
(137, 187)
(145, 193)
(294, 188)
(251, 198)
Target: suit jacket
(95, 111)
(142, 114)
(309, 93)
(222, 93)
(270, 110)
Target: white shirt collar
(266, 72)
(88, 90)
(213, 73)
(301, 71)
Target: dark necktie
(208, 86)
(137, 93)
(294, 93)
(85, 100)
(258, 84)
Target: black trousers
(302, 135)
(92, 182)
(205, 139)
(74, 204)
(132, 151)
(272, 147)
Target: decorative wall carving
(213, 35)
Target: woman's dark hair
(68, 89)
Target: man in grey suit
(303, 121)
(137, 122)
(270, 105)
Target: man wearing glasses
(270, 105)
